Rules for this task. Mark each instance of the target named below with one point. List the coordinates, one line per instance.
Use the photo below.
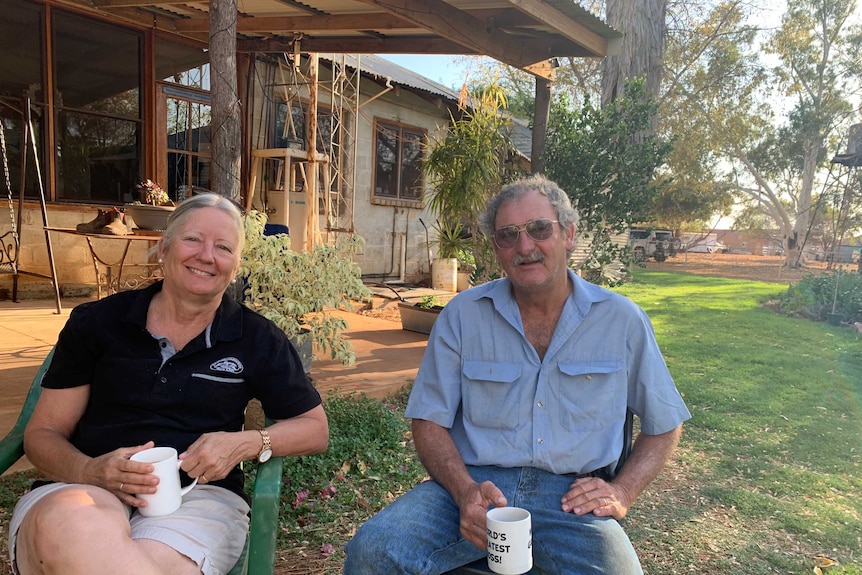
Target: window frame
(398, 200)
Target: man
(520, 400)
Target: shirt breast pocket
(224, 396)
(490, 394)
(592, 394)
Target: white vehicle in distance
(652, 243)
(711, 248)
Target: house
(116, 91)
(755, 242)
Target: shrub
(814, 295)
(370, 461)
(297, 291)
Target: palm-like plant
(467, 165)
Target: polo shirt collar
(226, 325)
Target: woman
(170, 365)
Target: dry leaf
(821, 561)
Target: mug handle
(188, 487)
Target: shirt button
(589, 377)
(164, 380)
(541, 441)
(164, 344)
(540, 404)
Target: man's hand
(596, 496)
(474, 504)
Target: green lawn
(767, 478)
(768, 474)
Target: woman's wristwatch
(266, 450)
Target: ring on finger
(203, 478)
(122, 485)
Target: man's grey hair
(566, 214)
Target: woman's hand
(121, 476)
(214, 455)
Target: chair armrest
(12, 446)
(263, 531)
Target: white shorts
(210, 527)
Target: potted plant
(297, 291)
(154, 208)
(465, 166)
(420, 316)
(451, 240)
(466, 268)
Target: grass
(766, 480)
(768, 473)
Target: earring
(233, 281)
(161, 261)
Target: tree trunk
(642, 23)
(225, 125)
(541, 111)
(811, 151)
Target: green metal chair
(258, 558)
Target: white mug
(510, 540)
(169, 494)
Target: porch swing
(10, 241)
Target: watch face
(264, 455)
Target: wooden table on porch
(111, 280)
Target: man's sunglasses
(538, 230)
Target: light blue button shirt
(484, 381)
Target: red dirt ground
(761, 268)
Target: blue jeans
(419, 533)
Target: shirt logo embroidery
(228, 364)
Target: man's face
(533, 264)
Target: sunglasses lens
(540, 229)
(506, 237)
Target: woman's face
(203, 256)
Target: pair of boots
(110, 222)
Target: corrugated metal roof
(382, 68)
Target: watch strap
(267, 443)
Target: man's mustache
(528, 259)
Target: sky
(450, 70)
(447, 70)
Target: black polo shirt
(202, 388)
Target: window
(189, 115)
(184, 118)
(22, 72)
(97, 71)
(398, 162)
(293, 132)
